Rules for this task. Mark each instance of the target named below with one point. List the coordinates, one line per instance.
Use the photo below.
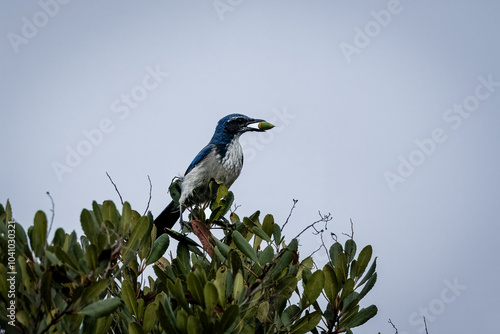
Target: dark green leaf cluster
(96, 283)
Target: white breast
(223, 169)
(234, 156)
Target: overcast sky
(386, 112)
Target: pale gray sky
(386, 113)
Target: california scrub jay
(221, 159)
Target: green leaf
(361, 317)
(283, 262)
(223, 248)
(211, 297)
(347, 289)
(53, 258)
(59, 237)
(177, 292)
(8, 212)
(183, 258)
(335, 250)
(331, 286)
(193, 325)
(235, 261)
(267, 225)
(277, 234)
(102, 308)
(260, 232)
(354, 268)
(96, 209)
(150, 317)
(350, 250)
(126, 221)
(350, 300)
(266, 256)
(289, 314)
(220, 284)
(286, 286)
(229, 318)
(137, 235)
(94, 290)
(89, 226)
(159, 248)
(369, 273)
(253, 219)
(182, 317)
(175, 190)
(46, 289)
(66, 259)
(341, 267)
(238, 286)
(368, 286)
(110, 213)
(233, 217)
(262, 311)
(102, 325)
(314, 286)
(166, 314)
(135, 328)
(129, 297)
(244, 246)
(224, 200)
(363, 259)
(306, 324)
(21, 241)
(38, 235)
(195, 287)
(181, 237)
(91, 257)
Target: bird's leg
(185, 224)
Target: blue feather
(199, 157)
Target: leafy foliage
(243, 283)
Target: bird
(221, 159)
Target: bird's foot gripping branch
(242, 283)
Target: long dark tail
(167, 218)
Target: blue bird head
(234, 125)
(238, 123)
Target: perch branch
(290, 214)
(116, 188)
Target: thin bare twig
(290, 214)
(53, 213)
(322, 246)
(352, 231)
(323, 218)
(425, 324)
(150, 191)
(393, 326)
(235, 208)
(121, 199)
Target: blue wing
(203, 153)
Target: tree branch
(121, 199)
(150, 191)
(324, 218)
(393, 326)
(53, 213)
(290, 214)
(352, 231)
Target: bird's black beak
(258, 125)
